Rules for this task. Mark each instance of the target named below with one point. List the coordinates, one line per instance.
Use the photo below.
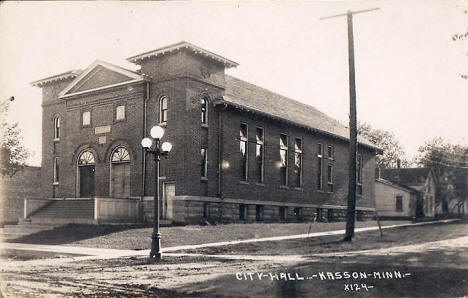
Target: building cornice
(137, 59)
(322, 132)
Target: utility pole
(350, 214)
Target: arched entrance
(86, 169)
(120, 173)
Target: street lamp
(159, 150)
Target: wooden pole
(350, 216)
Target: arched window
(86, 158)
(163, 109)
(204, 111)
(57, 128)
(120, 155)
(56, 170)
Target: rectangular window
(359, 174)
(120, 113)
(319, 165)
(259, 154)
(204, 163)
(244, 151)
(284, 159)
(283, 213)
(86, 118)
(259, 212)
(330, 178)
(298, 162)
(56, 171)
(331, 152)
(205, 209)
(242, 212)
(399, 204)
(298, 213)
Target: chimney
(398, 162)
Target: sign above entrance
(102, 129)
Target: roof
(132, 76)
(406, 176)
(179, 46)
(244, 95)
(396, 185)
(59, 77)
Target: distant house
(393, 200)
(420, 179)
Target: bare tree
(12, 153)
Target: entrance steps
(67, 209)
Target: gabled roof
(59, 77)
(406, 176)
(128, 78)
(396, 185)
(179, 46)
(244, 95)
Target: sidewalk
(96, 253)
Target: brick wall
(24, 184)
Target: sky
(407, 66)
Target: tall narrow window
(57, 128)
(244, 151)
(204, 111)
(120, 113)
(284, 159)
(399, 204)
(86, 118)
(319, 165)
(204, 163)
(56, 170)
(163, 109)
(298, 162)
(331, 152)
(259, 152)
(330, 178)
(359, 174)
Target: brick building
(240, 152)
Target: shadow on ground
(72, 233)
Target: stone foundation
(196, 210)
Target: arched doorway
(86, 169)
(120, 173)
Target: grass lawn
(361, 241)
(134, 237)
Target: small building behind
(419, 179)
(395, 201)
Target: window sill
(120, 120)
(204, 125)
(284, 187)
(56, 140)
(297, 188)
(163, 124)
(162, 178)
(55, 183)
(243, 182)
(260, 184)
(204, 179)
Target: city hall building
(239, 152)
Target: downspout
(220, 159)
(143, 160)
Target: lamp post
(158, 150)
